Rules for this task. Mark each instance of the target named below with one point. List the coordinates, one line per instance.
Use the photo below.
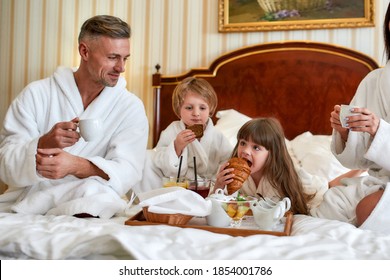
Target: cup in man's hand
(91, 129)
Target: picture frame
(274, 15)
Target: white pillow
(315, 156)
(229, 123)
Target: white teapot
(267, 213)
(218, 216)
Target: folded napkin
(175, 200)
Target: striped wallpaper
(38, 35)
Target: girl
(262, 142)
(194, 102)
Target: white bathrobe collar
(64, 78)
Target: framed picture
(269, 15)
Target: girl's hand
(224, 176)
(336, 124)
(184, 138)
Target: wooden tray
(200, 223)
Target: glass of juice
(174, 182)
(203, 187)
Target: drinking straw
(178, 173)
(196, 176)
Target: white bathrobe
(210, 151)
(120, 153)
(312, 184)
(361, 151)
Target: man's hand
(56, 164)
(62, 135)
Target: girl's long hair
(279, 168)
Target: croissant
(241, 172)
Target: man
(48, 168)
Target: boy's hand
(184, 138)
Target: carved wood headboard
(296, 82)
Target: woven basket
(170, 219)
(273, 6)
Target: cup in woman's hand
(345, 111)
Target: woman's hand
(366, 121)
(336, 124)
(184, 138)
(224, 176)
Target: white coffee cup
(91, 129)
(345, 111)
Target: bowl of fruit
(236, 207)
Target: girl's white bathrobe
(120, 153)
(312, 184)
(361, 151)
(210, 151)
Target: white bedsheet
(64, 237)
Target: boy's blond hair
(194, 85)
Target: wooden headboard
(297, 82)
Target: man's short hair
(104, 25)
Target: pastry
(197, 129)
(241, 173)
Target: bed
(297, 82)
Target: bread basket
(170, 219)
(273, 6)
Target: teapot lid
(220, 195)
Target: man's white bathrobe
(120, 153)
(210, 151)
(361, 151)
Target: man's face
(107, 58)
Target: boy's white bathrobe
(120, 153)
(210, 151)
(361, 151)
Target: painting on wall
(268, 15)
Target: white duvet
(64, 237)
